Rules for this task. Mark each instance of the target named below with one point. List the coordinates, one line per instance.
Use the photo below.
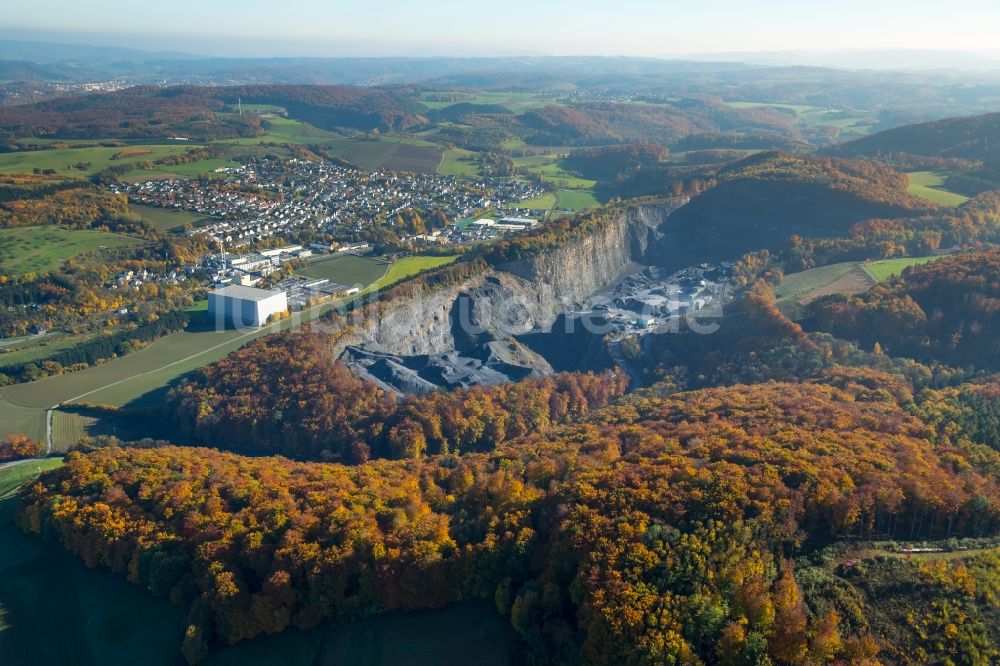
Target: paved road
(7, 342)
(48, 430)
(19, 462)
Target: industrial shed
(241, 306)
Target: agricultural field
(518, 102)
(852, 123)
(799, 109)
(347, 269)
(885, 269)
(800, 289)
(16, 420)
(851, 277)
(557, 176)
(32, 348)
(377, 153)
(285, 130)
(415, 159)
(408, 266)
(41, 249)
(391, 152)
(543, 202)
(459, 163)
(85, 162)
(70, 424)
(576, 199)
(167, 219)
(141, 175)
(930, 185)
(364, 153)
(12, 476)
(130, 377)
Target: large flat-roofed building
(241, 306)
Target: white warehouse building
(241, 306)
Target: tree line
(658, 529)
(287, 395)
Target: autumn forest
(490, 383)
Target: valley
(545, 360)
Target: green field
(41, 249)
(39, 347)
(459, 163)
(799, 109)
(930, 185)
(556, 175)
(346, 269)
(13, 476)
(544, 202)
(850, 122)
(408, 266)
(70, 424)
(883, 270)
(28, 421)
(126, 378)
(797, 286)
(367, 153)
(576, 199)
(847, 277)
(91, 160)
(547, 165)
(286, 130)
(518, 102)
(167, 219)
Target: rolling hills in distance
(816, 481)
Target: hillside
(254, 401)
(330, 107)
(609, 163)
(944, 311)
(205, 113)
(601, 123)
(675, 508)
(970, 138)
(139, 112)
(763, 200)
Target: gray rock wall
(515, 298)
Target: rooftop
(245, 293)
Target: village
(295, 199)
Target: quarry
(536, 316)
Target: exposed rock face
(483, 315)
(578, 270)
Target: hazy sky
(472, 27)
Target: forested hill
(329, 107)
(971, 138)
(762, 200)
(654, 531)
(601, 123)
(945, 311)
(201, 112)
